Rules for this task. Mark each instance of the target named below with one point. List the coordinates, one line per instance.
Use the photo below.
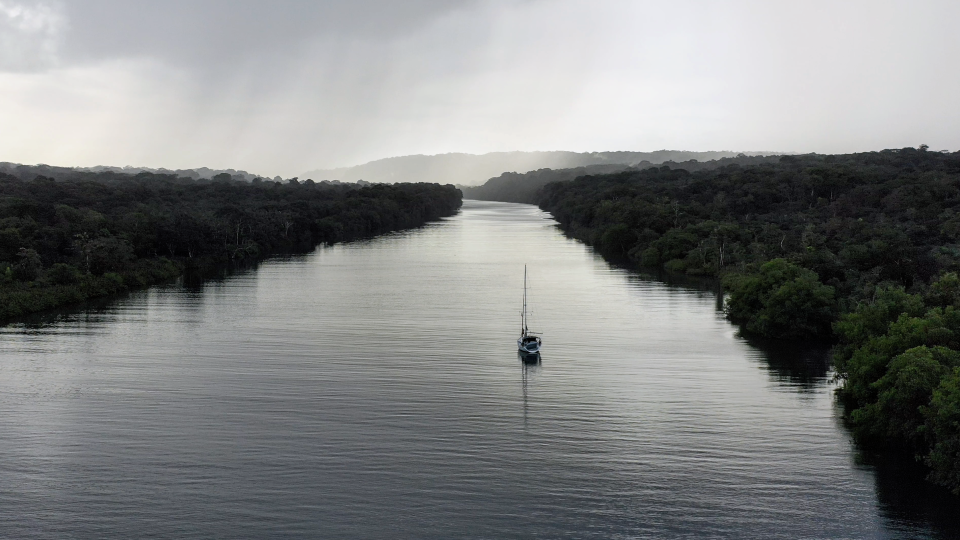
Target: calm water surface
(373, 390)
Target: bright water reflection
(373, 390)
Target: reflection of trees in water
(907, 501)
(673, 279)
(95, 311)
(795, 364)
(704, 286)
(197, 277)
(909, 505)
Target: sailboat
(529, 342)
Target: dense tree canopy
(856, 221)
(898, 359)
(524, 187)
(781, 300)
(65, 241)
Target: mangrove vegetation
(99, 233)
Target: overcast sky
(281, 87)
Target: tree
(872, 319)
(902, 393)
(109, 254)
(943, 429)
(782, 301)
(63, 274)
(28, 266)
(617, 240)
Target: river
(373, 390)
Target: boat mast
(523, 317)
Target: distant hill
(524, 187)
(472, 169)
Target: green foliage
(944, 292)
(901, 393)
(782, 301)
(674, 244)
(943, 429)
(899, 376)
(108, 253)
(675, 265)
(523, 187)
(10, 242)
(869, 362)
(115, 279)
(872, 319)
(63, 274)
(28, 266)
(858, 221)
(617, 240)
(100, 233)
(650, 257)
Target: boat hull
(530, 347)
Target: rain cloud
(282, 87)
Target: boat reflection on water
(529, 365)
(528, 358)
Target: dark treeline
(100, 233)
(29, 172)
(525, 187)
(857, 249)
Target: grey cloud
(209, 33)
(282, 87)
(30, 35)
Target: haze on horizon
(282, 87)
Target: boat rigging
(529, 342)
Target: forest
(100, 233)
(525, 187)
(860, 251)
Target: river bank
(99, 234)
